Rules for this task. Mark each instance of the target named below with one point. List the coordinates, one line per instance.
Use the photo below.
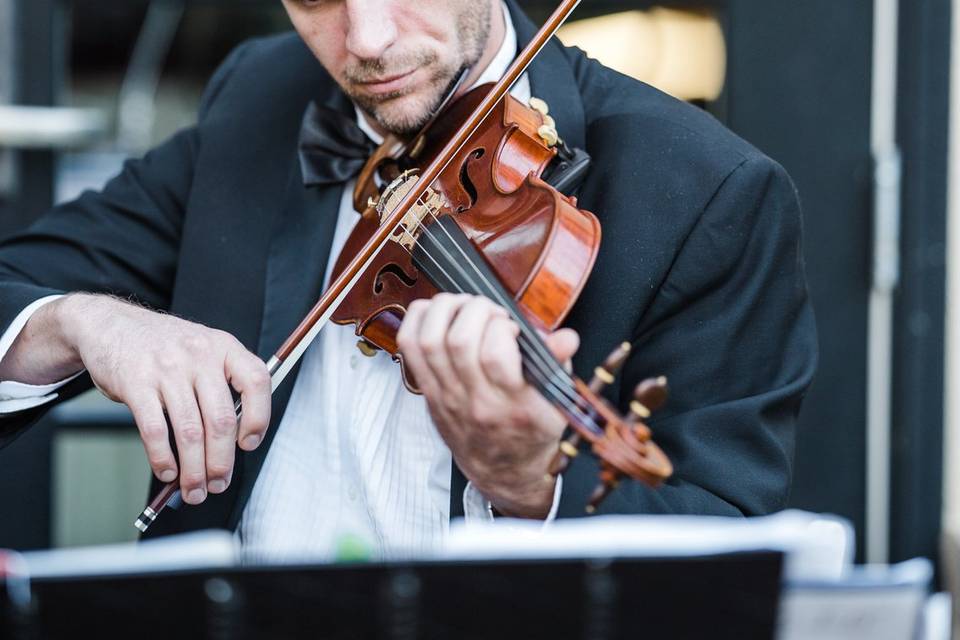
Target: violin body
(538, 243)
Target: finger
(500, 354)
(249, 376)
(148, 414)
(563, 343)
(464, 338)
(219, 429)
(408, 343)
(433, 341)
(187, 426)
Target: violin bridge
(428, 206)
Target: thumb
(563, 343)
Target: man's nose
(370, 27)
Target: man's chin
(401, 114)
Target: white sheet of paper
(869, 603)
(816, 546)
(199, 550)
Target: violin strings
(545, 355)
(555, 392)
(552, 370)
(546, 358)
(433, 259)
(541, 363)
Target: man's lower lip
(388, 86)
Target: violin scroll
(625, 448)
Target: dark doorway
(790, 95)
(799, 87)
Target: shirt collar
(493, 72)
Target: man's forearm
(42, 353)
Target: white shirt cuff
(477, 508)
(18, 396)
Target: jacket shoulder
(272, 76)
(282, 53)
(644, 118)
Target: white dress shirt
(355, 454)
(18, 396)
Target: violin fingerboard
(453, 264)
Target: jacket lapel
(297, 260)
(299, 249)
(296, 264)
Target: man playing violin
(170, 287)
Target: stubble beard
(405, 112)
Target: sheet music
(200, 550)
(869, 603)
(816, 546)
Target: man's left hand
(463, 352)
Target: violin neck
(453, 264)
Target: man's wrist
(69, 314)
(526, 492)
(477, 508)
(533, 501)
(65, 326)
(43, 353)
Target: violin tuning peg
(565, 454)
(617, 357)
(548, 130)
(650, 395)
(605, 373)
(639, 411)
(549, 135)
(539, 106)
(609, 482)
(601, 378)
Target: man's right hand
(153, 363)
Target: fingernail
(217, 486)
(168, 475)
(251, 442)
(196, 496)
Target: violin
(468, 211)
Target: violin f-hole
(465, 180)
(396, 271)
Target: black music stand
(723, 596)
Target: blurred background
(853, 98)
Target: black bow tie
(332, 147)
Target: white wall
(951, 476)
(950, 547)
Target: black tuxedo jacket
(700, 264)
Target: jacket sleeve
(122, 240)
(733, 328)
